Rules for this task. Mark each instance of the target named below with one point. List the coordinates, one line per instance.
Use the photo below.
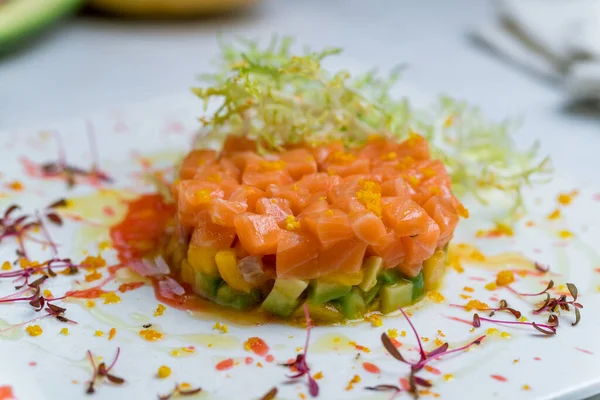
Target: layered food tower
(347, 230)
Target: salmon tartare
(346, 230)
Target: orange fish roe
(526, 387)
(435, 296)
(564, 234)
(554, 215)
(370, 196)
(17, 186)
(491, 286)
(221, 327)
(160, 309)
(110, 298)
(34, 330)
(257, 346)
(163, 372)
(566, 198)
(374, 319)
(372, 368)
(438, 342)
(505, 277)
(112, 333)
(269, 358)
(355, 379)
(225, 365)
(151, 335)
(291, 223)
(476, 305)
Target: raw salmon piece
(296, 195)
(345, 256)
(299, 162)
(367, 226)
(234, 144)
(194, 160)
(328, 226)
(195, 195)
(348, 189)
(444, 216)
(295, 251)
(263, 174)
(222, 211)
(244, 158)
(390, 248)
(276, 207)
(396, 187)
(247, 194)
(209, 234)
(321, 153)
(230, 169)
(258, 233)
(319, 182)
(415, 146)
(405, 216)
(357, 167)
(315, 207)
(419, 248)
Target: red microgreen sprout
(102, 372)
(300, 365)
(543, 328)
(554, 305)
(424, 358)
(502, 306)
(179, 391)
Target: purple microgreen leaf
(54, 218)
(553, 320)
(384, 388)
(115, 379)
(421, 351)
(422, 382)
(442, 349)
(577, 317)
(189, 392)
(476, 320)
(58, 204)
(270, 395)
(550, 331)
(391, 349)
(313, 387)
(573, 290)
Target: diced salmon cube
(403, 215)
(328, 226)
(209, 234)
(258, 233)
(299, 162)
(194, 160)
(367, 226)
(276, 207)
(223, 211)
(295, 251)
(247, 194)
(419, 248)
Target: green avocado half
(22, 20)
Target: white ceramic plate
(54, 366)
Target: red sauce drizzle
(499, 378)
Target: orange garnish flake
(431, 369)
(476, 305)
(64, 331)
(438, 342)
(375, 320)
(202, 196)
(554, 215)
(99, 333)
(564, 234)
(491, 286)
(501, 229)
(505, 335)
(94, 262)
(566, 198)
(441, 333)
(359, 347)
(93, 276)
(151, 335)
(448, 377)
(339, 157)
(425, 339)
(435, 296)
(126, 287)
(112, 333)
(225, 365)
(160, 310)
(392, 333)
(355, 379)
(318, 375)
(34, 330)
(372, 368)
(270, 358)
(47, 294)
(403, 333)
(163, 372)
(6, 266)
(17, 186)
(256, 345)
(221, 327)
(468, 289)
(462, 211)
(449, 121)
(370, 196)
(505, 277)
(110, 298)
(526, 387)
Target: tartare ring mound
(347, 231)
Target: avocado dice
(397, 295)
(389, 276)
(206, 285)
(353, 305)
(284, 296)
(372, 266)
(372, 293)
(321, 292)
(229, 297)
(418, 287)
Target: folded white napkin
(558, 40)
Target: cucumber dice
(371, 294)
(229, 297)
(397, 295)
(353, 305)
(389, 276)
(284, 296)
(321, 292)
(206, 285)
(418, 287)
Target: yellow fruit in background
(168, 8)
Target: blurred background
(64, 58)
